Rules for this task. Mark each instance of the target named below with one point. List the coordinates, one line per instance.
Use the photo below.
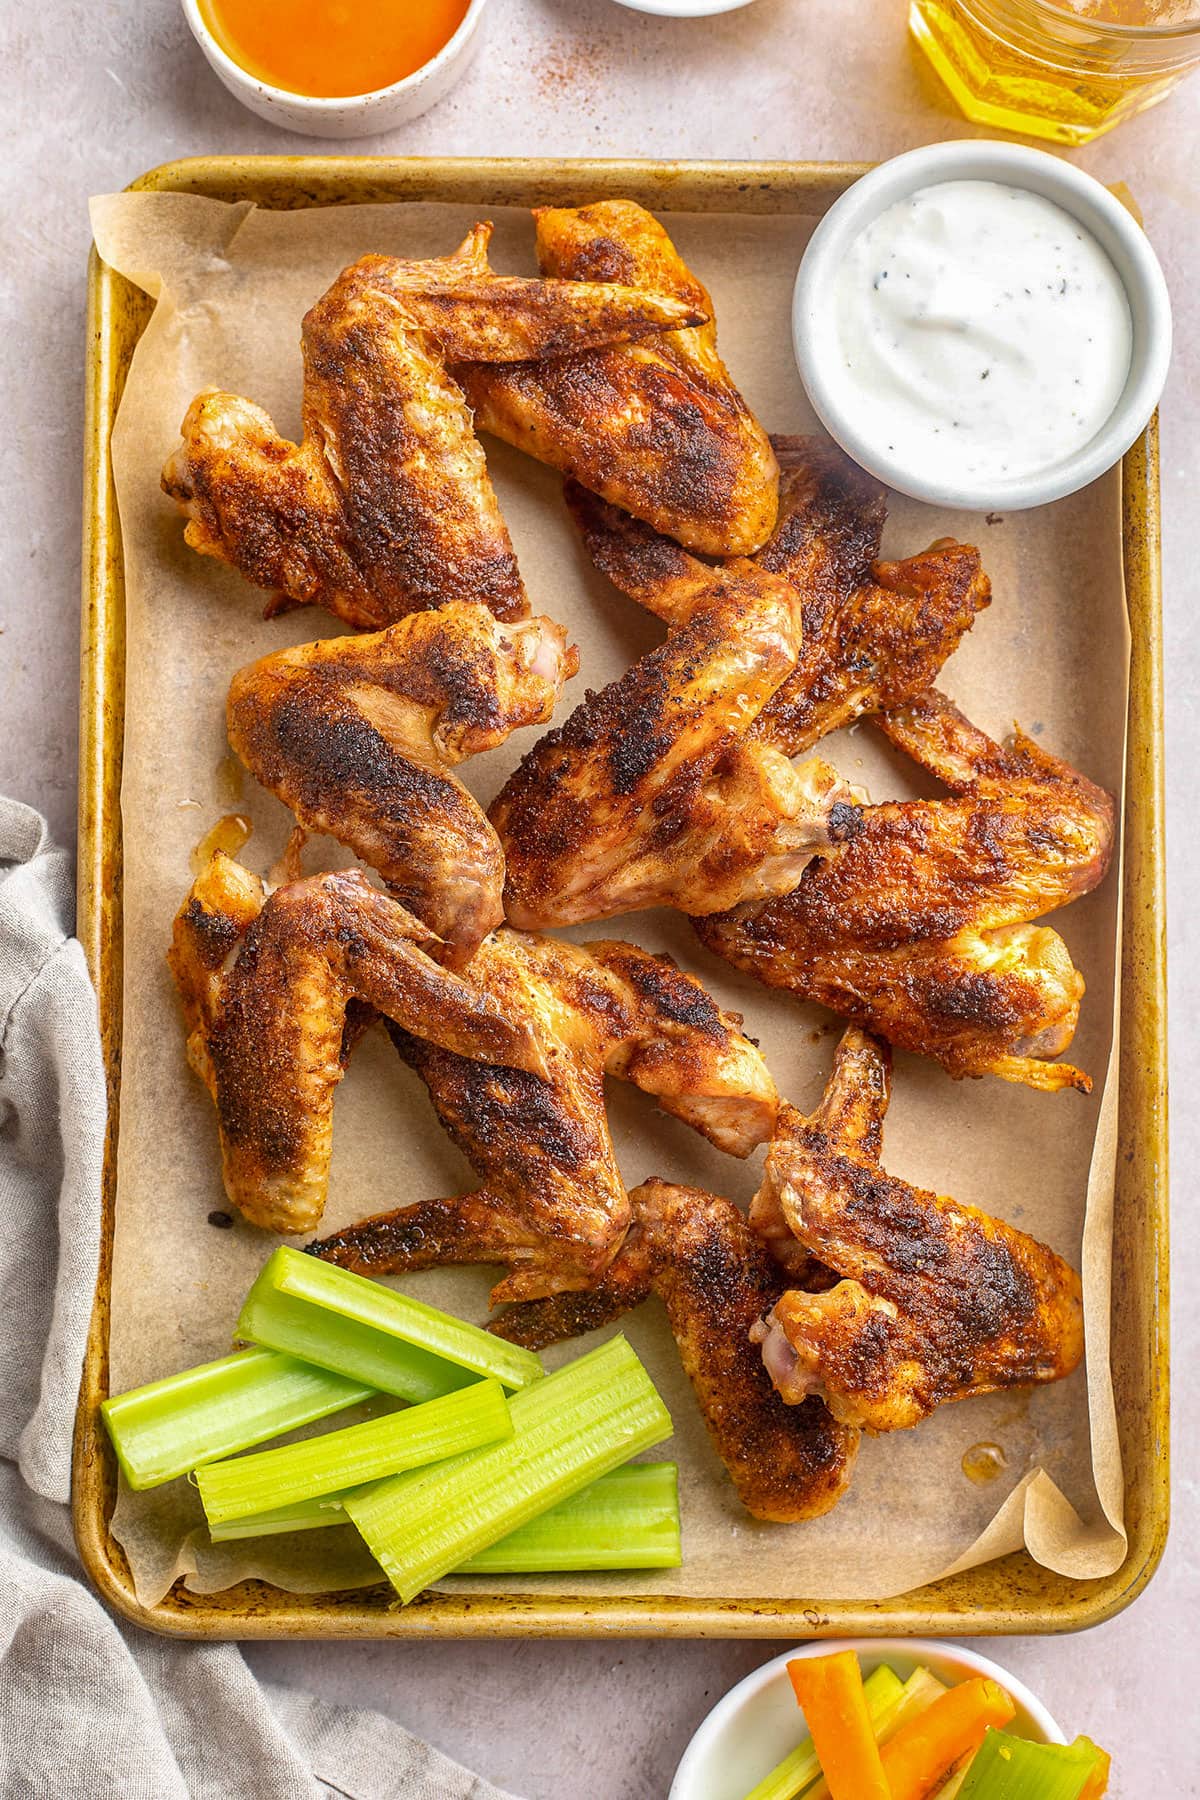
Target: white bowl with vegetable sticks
(982, 326)
(757, 1724)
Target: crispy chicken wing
(358, 736)
(651, 794)
(874, 634)
(553, 1208)
(938, 1301)
(920, 926)
(385, 506)
(266, 983)
(657, 427)
(674, 786)
(696, 1252)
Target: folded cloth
(90, 1706)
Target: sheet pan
(1014, 1594)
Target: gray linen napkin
(89, 1706)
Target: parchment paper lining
(232, 283)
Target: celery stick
(919, 1693)
(301, 1515)
(448, 1426)
(396, 1368)
(569, 1428)
(170, 1426)
(628, 1519)
(343, 1321)
(881, 1689)
(1013, 1768)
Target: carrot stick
(830, 1691)
(924, 1751)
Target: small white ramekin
(1013, 165)
(354, 115)
(758, 1722)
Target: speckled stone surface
(97, 93)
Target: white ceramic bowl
(758, 1721)
(355, 115)
(1117, 232)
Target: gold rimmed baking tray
(1014, 1594)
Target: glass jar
(1067, 71)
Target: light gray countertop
(97, 93)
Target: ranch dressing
(983, 333)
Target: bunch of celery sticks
(492, 1467)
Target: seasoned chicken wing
(267, 984)
(656, 427)
(920, 926)
(358, 736)
(875, 634)
(674, 786)
(552, 1207)
(938, 1301)
(385, 506)
(696, 1252)
(651, 794)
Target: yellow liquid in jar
(1132, 12)
(1064, 79)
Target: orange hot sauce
(332, 48)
